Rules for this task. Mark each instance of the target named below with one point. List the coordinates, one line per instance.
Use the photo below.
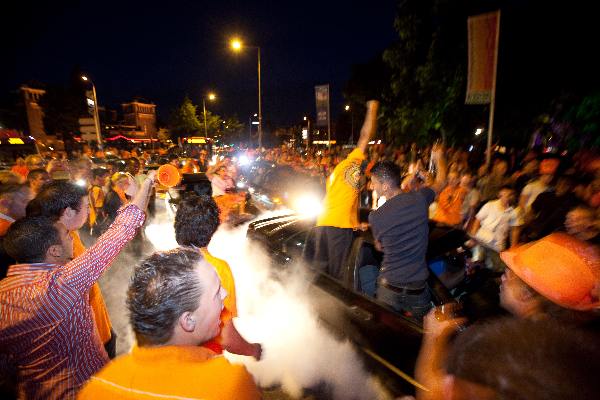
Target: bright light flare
(478, 131)
(212, 96)
(85, 78)
(81, 182)
(243, 160)
(307, 206)
(236, 44)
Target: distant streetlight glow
(347, 108)
(236, 44)
(211, 97)
(85, 78)
(478, 131)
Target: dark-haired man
(36, 178)
(400, 228)
(68, 203)
(507, 359)
(174, 300)
(47, 327)
(494, 223)
(13, 200)
(196, 221)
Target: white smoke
(298, 352)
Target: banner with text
(483, 52)
(322, 99)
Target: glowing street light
(211, 97)
(96, 116)
(478, 131)
(347, 107)
(237, 45)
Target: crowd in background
(520, 198)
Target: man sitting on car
(401, 230)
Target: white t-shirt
(495, 224)
(532, 190)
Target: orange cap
(549, 166)
(168, 175)
(561, 268)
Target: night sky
(164, 50)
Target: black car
(389, 341)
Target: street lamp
(211, 97)
(237, 46)
(347, 108)
(96, 116)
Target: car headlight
(307, 205)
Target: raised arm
(369, 125)
(82, 272)
(440, 162)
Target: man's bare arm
(369, 125)
(440, 162)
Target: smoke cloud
(298, 352)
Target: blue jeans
(416, 305)
(368, 279)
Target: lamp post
(237, 45)
(348, 108)
(96, 116)
(211, 97)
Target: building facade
(35, 114)
(140, 115)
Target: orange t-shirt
(340, 207)
(450, 205)
(99, 310)
(229, 304)
(4, 225)
(171, 372)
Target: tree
(233, 130)
(184, 120)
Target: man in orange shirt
(450, 202)
(175, 300)
(13, 200)
(68, 204)
(333, 234)
(196, 221)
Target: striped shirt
(46, 324)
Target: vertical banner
(322, 99)
(483, 32)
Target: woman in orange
(116, 197)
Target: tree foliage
(184, 120)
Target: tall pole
(259, 105)
(488, 157)
(204, 108)
(352, 126)
(96, 117)
(328, 119)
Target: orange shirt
(171, 372)
(340, 207)
(99, 310)
(450, 205)
(229, 304)
(4, 225)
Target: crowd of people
(532, 220)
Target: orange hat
(561, 268)
(549, 166)
(168, 175)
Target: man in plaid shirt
(47, 331)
